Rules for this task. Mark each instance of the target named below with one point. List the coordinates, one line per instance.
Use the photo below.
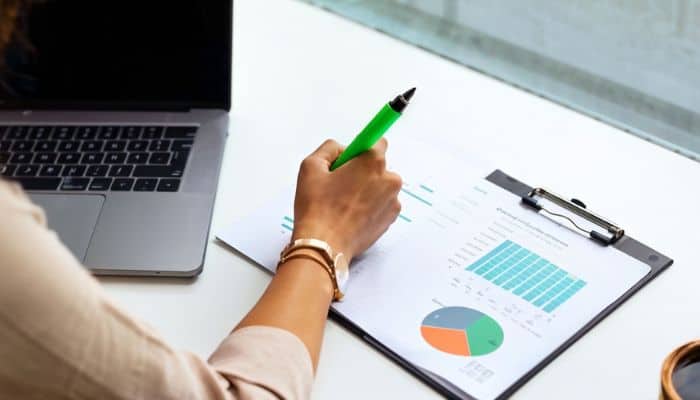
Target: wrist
(338, 242)
(335, 264)
(309, 271)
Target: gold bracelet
(336, 264)
(296, 254)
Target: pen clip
(614, 232)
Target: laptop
(113, 117)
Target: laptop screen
(115, 54)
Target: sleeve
(61, 337)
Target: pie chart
(461, 331)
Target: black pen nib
(409, 93)
(401, 101)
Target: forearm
(349, 209)
(297, 300)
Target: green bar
(288, 219)
(415, 196)
(405, 218)
(427, 189)
(289, 228)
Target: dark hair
(12, 35)
(9, 13)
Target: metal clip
(578, 208)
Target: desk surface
(330, 75)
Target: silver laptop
(113, 116)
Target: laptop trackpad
(73, 217)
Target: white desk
(301, 75)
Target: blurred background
(632, 63)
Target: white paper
(451, 219)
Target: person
(62, 337)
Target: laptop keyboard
(96, 157)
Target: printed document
(467, 283)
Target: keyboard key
(179, 159)
(108, 132)
(122, 184)
(131, 132)
(145, 185)
(101, 184)
(68, 158)
(120, 170)
(4, 158)
(21, 158)
(115, 145)
(153, 132)
(39, 183)
(168, 185)
(7, 170)
(75, 184)
(137, 158)
(74, 170)
(159, 158)
(97, 170)
(92, 158)
(91, 145)
(40, 132)
(180, 145)
(86, 132)
(23, 145)
(5, 145)
(180, 132)
(68, 146)
(27, 170)
(130, 135)
(45, 146)
(51, 170)
(45, 158)
(157, 171)
(17, 133)
(115, 158)
(63, 133)
(138, 145)
(159, 145)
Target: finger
(381, 146)
(328, 151)
(377, 153)
(394, 181)
(389, 214)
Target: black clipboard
(612, 236)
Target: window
(632, 63)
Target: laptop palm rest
(73, 217)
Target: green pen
(375, 129)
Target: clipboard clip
(614, 232)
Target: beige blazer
(62, 338)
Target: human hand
(350, 207)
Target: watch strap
(324, 249)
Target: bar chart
(529, 276)
(288, 223)
(416, 201)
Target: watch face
(342, 271)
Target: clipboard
(608, 234)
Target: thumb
(328, 151)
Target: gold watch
(337, 264)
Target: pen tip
(409, 93)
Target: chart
(462, 331)
(536, 280)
